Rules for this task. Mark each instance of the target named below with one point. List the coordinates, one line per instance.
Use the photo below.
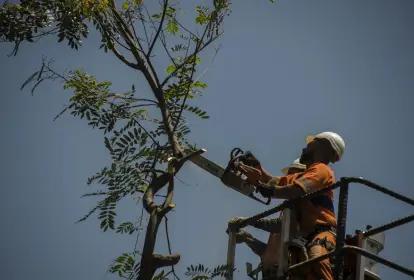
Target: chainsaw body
(230, 176)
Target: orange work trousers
(321, 270)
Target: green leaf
(199, 84)
(170, 69)
(170, 12)
(202, 15)
(123, 265)
(126, 227)
(125, 5)
(172, 26)
(156, 16)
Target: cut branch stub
(165, 260)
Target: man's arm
(285, 192)
(267, 177)
(257, 176)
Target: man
(267, 252)
(316, 216)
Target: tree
(145, 137)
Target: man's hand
(236, 220)
(253, 175)
(234, 223)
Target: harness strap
(321, 241)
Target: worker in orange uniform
(316, 217)
(267, 251)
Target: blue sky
(283, 71)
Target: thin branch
(51, 31)
(119, 43)
(168, 205)
(112, 46)
(131, 23)
(164, 44)
(47, 67)
(61, 113)
(194, 55)
(146, 132)
(144, 26)
(115, 96)
(186, 29)
(123, 59)
(181, 65)
(150, 74)
(159, 27)
(169, 246)
(188, 47)
(150, 20)
(140, 105)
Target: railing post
(231, 251)
(341, 229)
(285, 232)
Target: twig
(144, 26)
(194, 55)
(169, 246)
(159, 28)
(123, 59)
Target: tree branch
(123, 59)
(168, 205)
(181, 65)
(165, 6)
(194, 55)
(168, 260)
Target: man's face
(317, 149)
(308, 153)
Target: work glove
(236, 220)
(253, 174)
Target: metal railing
(341, 247)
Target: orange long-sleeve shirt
(318, 210)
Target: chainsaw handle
(265, 193)
(260, 200)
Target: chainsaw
(230, 176)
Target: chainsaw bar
(229, 179)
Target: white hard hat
(295, 164)
(336, 141)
